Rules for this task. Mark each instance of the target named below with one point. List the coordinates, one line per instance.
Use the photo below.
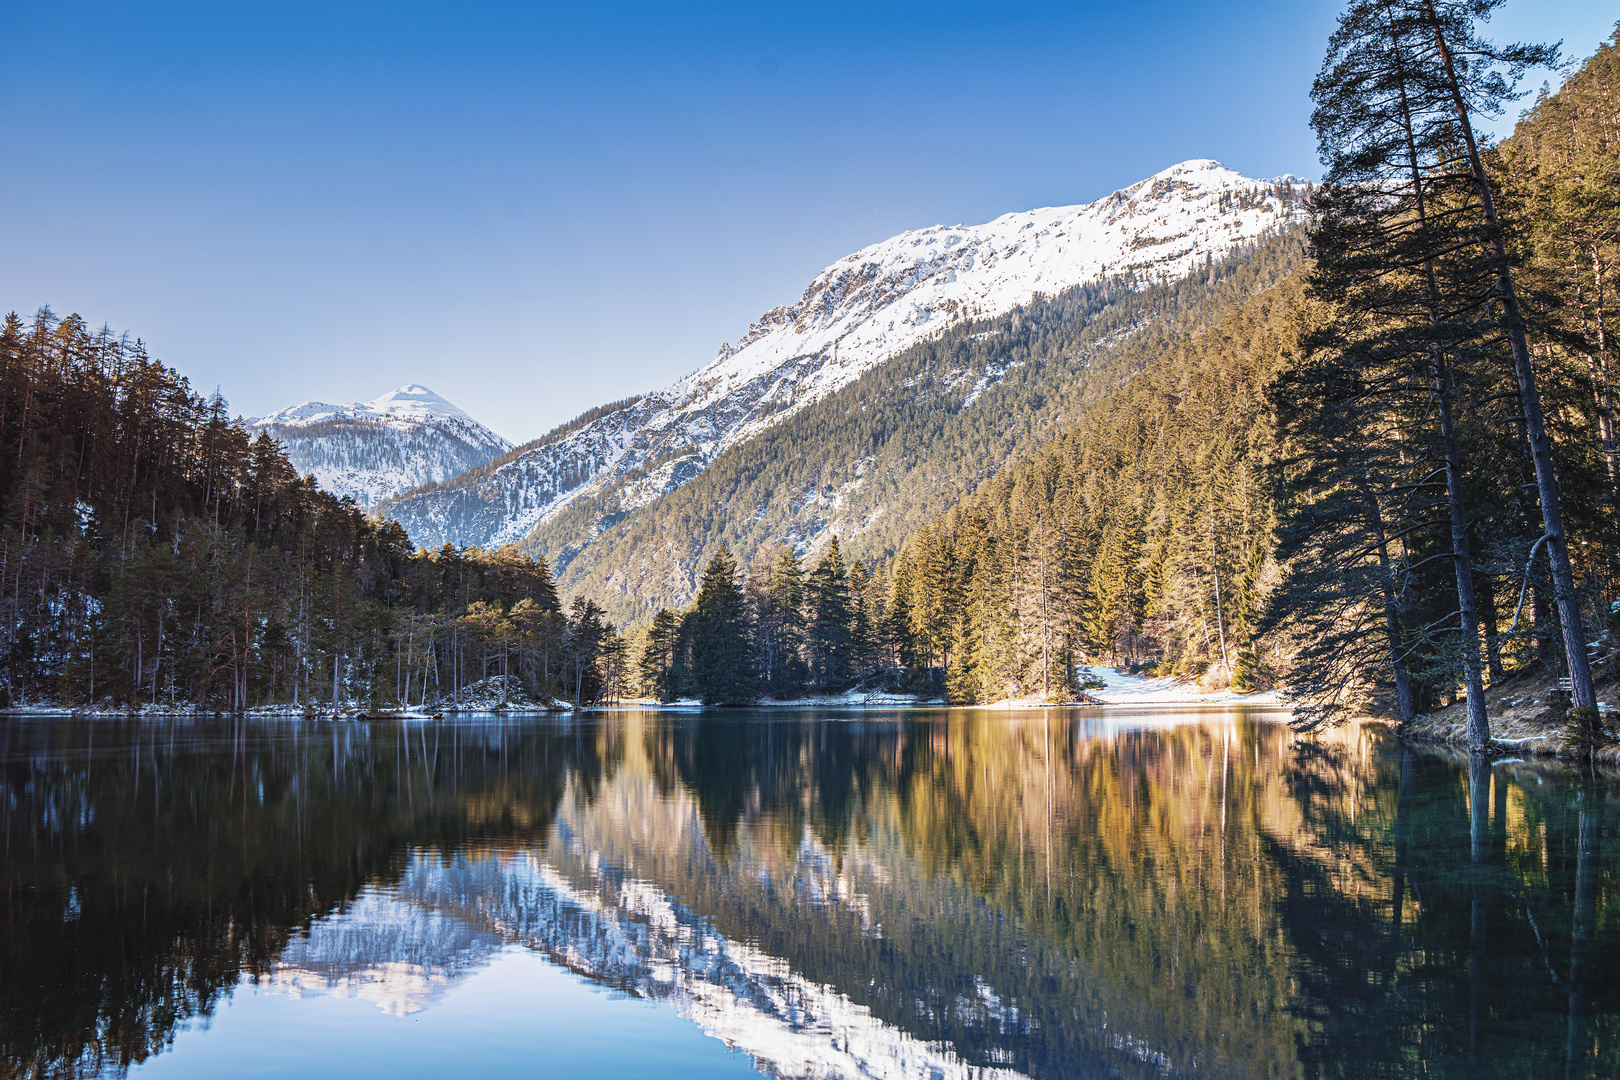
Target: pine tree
(829, 636)
(586, 632)
(865, 622)
(779, 627)
(658, 656)
(722, 666)
(1347, 503)
(1115, 588)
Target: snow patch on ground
(1122, 689)
(499, 693)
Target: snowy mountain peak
(1196, 167)
(373, 450)
(871, 304)
(414, 400)
(855, 314)
(310, 412)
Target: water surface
(949, 893)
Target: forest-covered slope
(1337, 484)
(155, 553)
(1145, 531)
(905, 441)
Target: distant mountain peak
(411, 402)
(373, 450)
(413, 399)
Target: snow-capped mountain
(375, 449)
(855, 314)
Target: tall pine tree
(722, 661)
(829, 636)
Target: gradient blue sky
(535, 208)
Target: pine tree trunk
(1405, 708)
(1479, 730)
(1605, 396)
(1479, 725)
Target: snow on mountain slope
(855, 314)
(375, 449)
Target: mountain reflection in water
(947, 894)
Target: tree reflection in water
(1047, 895)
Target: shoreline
(1120, 690)
(1523, 720)
(287, 712)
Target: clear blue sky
(535, 208)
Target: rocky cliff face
(372, 450)
(853, 316)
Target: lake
(816, 893)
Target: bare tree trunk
(1215, 572)
(1493, 647)
(1600, 376)
(1046, 620)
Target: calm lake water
(938, 894)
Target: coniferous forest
(1385, 481)
(153, 554)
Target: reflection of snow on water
(632, 936)
(396, 955)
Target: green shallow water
(947, 893)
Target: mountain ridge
(856, 314)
